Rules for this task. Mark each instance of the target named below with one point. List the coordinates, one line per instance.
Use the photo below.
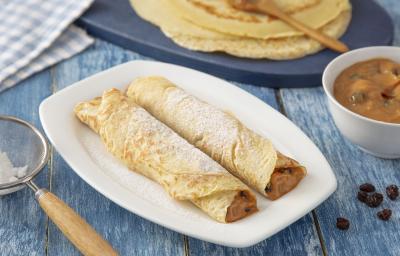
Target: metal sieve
(26, 146)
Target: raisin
(385, 214)
(342, 223)
(242, 194)
(392, 192)
(247, 209)
(374, 200)
(367, 187)
(362, 196)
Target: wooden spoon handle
(329, 42)
(77, 230)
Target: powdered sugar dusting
(206, 118)
(138, 184)
(169, 141)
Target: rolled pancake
(150, 148)
(191, 36)
(224, 138)
(219, 15)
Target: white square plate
(84, 152)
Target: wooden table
(25, 230)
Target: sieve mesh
(24, 145)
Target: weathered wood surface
(25, 230)
(298, 239)
(22, 223)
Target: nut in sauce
(371, 88)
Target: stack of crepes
(209, 26)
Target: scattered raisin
(247, 209)
(342, 223)
(385, 214)
(367, 187)
(242, 194)
(362, 196)
(374, 200)
(392, 192)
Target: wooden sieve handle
(76, 229)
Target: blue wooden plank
(367, 235)
(22, 222)
(298, 239)
(128, 233)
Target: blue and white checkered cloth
(35, 34)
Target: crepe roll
(150, 148)
(223, 137)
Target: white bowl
(378, 138)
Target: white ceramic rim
(335, 62)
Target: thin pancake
(275, 49)
(220, 16)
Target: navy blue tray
(115, 21)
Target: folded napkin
(35, 34)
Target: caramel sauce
(371, 88)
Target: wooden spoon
(269, 7)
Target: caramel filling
(284, 180)
(243, 205)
